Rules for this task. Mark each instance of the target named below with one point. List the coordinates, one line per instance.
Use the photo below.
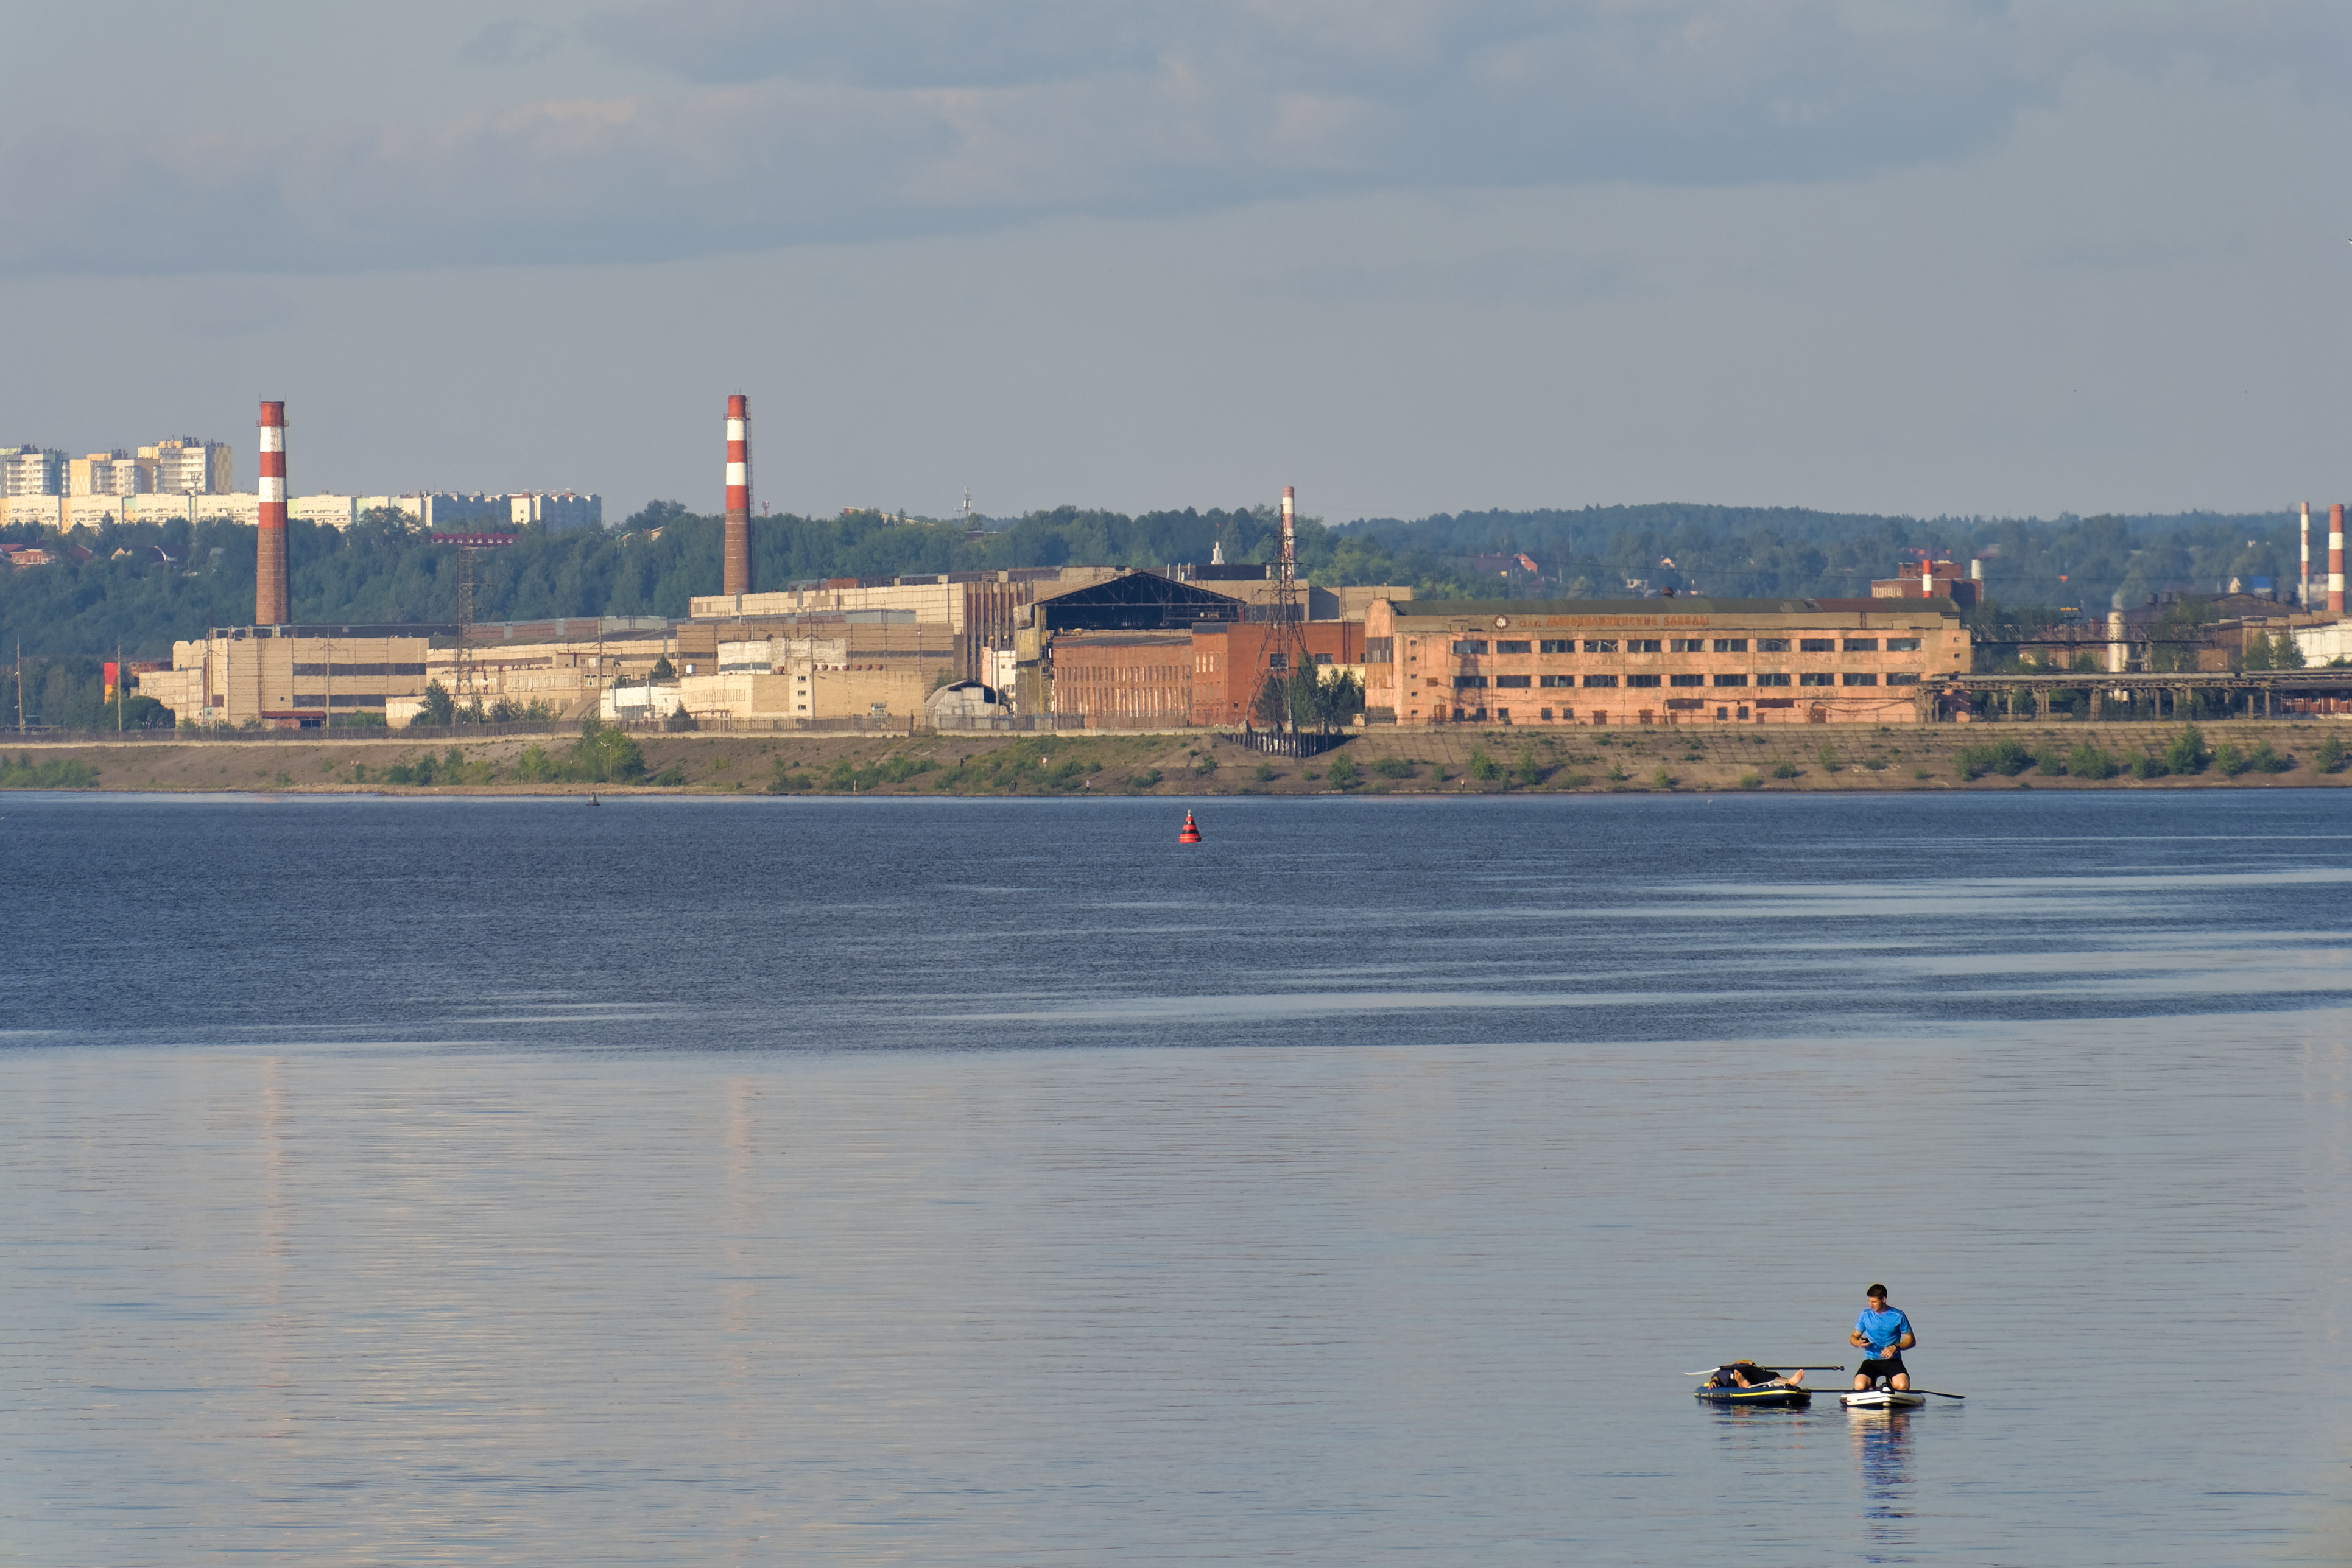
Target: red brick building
(1661, 661)
(1229, 663)
(1122, 680)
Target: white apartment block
(327, 511)
(32, 471)
(187, 466)
(556, 513)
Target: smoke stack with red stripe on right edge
(271, 600)
(737, 578)
(2336, 558)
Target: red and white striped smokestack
(2336, 558)
(738, 570)
(2303, 594)
(271, 605)
(1289, 533)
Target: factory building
(291, 678)
(867, 665)
(1231, 663)
(1935, 580)
(1148, 651)
(1123, 680)
(1661, 661)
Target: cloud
(511, 42)
(767, 123)
(1517, 275)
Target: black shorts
(1886, 1368)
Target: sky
(1943, 256)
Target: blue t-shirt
(1885, 1330)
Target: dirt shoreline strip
(1459, 760)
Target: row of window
(1690, 645)
(1849, 677)
(358, 670)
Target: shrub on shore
(2087, 761)
(48, 773)
(2005, 756)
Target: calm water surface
(996, 1182)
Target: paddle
(1937, 1392)
(1703, 1371)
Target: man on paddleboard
(1885, 1333)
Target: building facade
(1232, 662)
(187, 466)
(1661, 661)
(558, 513)
(116, 473)
(32, 471)
(289, 678)
(1122, 680)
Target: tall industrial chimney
(1289, 533)
(2303, 594)
(738, 570)
(271, 605)
(2336, 558)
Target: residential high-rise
(187, 466)
(32, 471)
(115, 473)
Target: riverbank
(1791, 758)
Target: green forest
(142, 586)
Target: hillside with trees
(142, 586)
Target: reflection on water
(1882, 1448)
(842, 1182)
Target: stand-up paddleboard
(1883, 1399)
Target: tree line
(144, 585)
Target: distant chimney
(1976, 572)
(2303, 594)
(2336, 558)
(736, 576)
(1290, 536)
(271, 602)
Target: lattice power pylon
(465, 695)
(1286, 648)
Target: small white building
(2324, 644)
(651, 703)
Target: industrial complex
(1189, 645)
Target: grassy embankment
(1767, 759)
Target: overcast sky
(1407, 254)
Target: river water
(998, 1182)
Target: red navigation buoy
(1192, 834)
